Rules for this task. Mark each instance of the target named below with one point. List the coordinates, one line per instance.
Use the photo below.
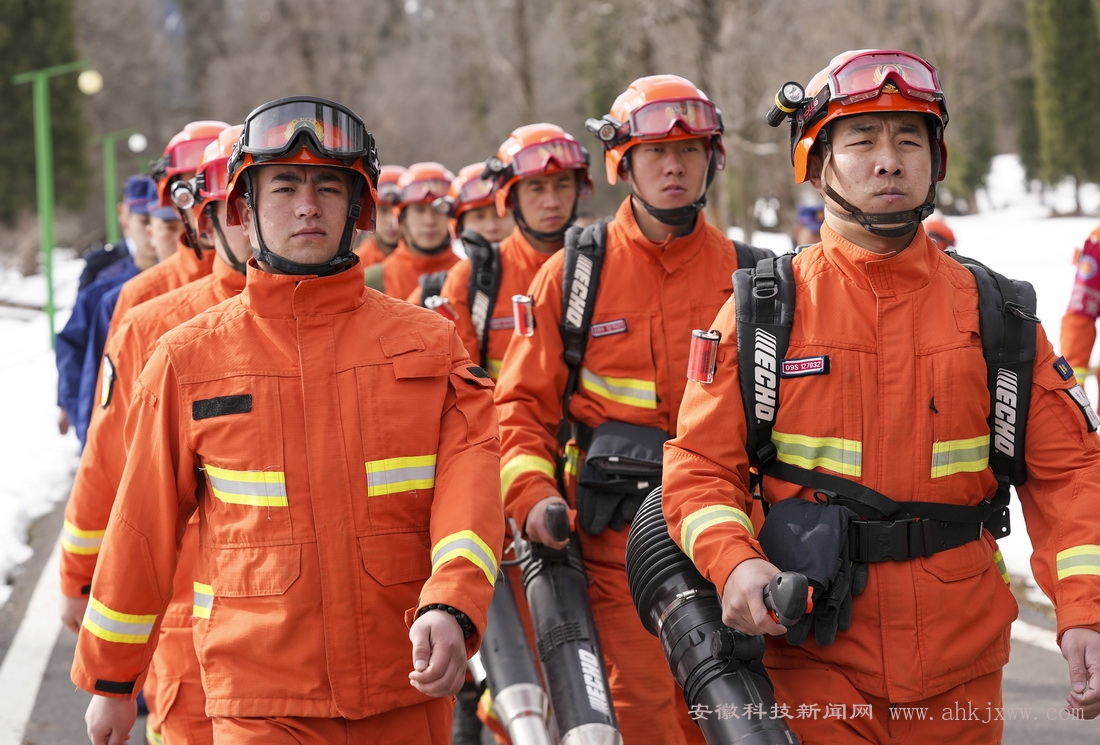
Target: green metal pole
(43, 159)
(110, 189)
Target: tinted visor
(535, 159)
(427, 190)
(186, 155)
(333, 131)
(475, 190)
(657, 118)
(865, 75)
(213, 179)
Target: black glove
(599, 510)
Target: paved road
(53, 714)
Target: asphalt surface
(1035, 683)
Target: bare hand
(72, 612)
(1081, 648)
(62, 421)
(439, 654)
(536, 528)
(110, 720)
(743, 599)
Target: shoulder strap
(484, 286)
(372, 277)
(1006, 310)
(765, 313)
(431, 284)
(584, 254)
(749, 256)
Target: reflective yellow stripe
(841, 456)
(493, 368)
(254, 488)
(152, 737)
(1081, 373)
(960, 456)
(204, 600)
(113, 626)
(83, 542)
(468, 545)
(1078, 560)
(393, 475)
(520, 465)
(700, 520)
(1001, 566)
(629, 391)
(572, 459)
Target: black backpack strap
(431, 284)
(765, 314)
(584, 254)
(749, 256)
(483, 288)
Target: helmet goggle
(427, 190)
(657, 118)
(276, 129)
(475, 190)
(389, 194)
(534, 160)
(212, 180)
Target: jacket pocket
(254, 571)
(397, 557)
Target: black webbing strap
(483, 288)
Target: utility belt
(622, 465)
(871, 541)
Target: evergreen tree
(35, 34)
(1067, 65)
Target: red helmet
(868, 81)
(657, 108)
(183, 153)
(536, 150)
(388, 193)
(308, 131)
(468, 192)
(939, 232)
(212, 173)
(423, 183)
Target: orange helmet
(307, 131)
(468, 192)
(939, 232)
(211, 174)
(182, 154)
(536, 150)
(868, 81)
(657, 108)
(423, 183)
(388, 193)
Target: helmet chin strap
(546, 236)
(908, 219)
(344, 257)
(677, 217)
(237, 264)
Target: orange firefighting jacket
(519, 263)
(370, 252)
(104, 457)
(401, 270)
(341, 451)
(650, 297)
(1079, 323)
(902, 409)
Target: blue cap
(811, 215)
(139, 189)
(160, 211)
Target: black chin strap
(546, 236)
(677, 217)
(238, 265)
(871, 221)
(344, 257)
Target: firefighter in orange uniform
(340, 450)
(545, 173)
(381, 243)
(471, 206)
(1078, 333)
(665, 272)
(888, 390)
(178, 712)
(425, 245)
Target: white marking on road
(1036, 636)
(25, 663)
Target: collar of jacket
(228, 281)
(191, 266)
(293, 296)
(423, 264)
(907, 270)
(672, 253)
(516, 248)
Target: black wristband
(464, 621)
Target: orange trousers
(821, 704)
(180, 702)
(423, 724)
(649, 705)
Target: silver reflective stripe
(629, 391)
(83, 542)
(113, 626)
(835, 453)
(255, 488)
(960, 456)
(203, 600)
(468, 545)
(393, 475)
